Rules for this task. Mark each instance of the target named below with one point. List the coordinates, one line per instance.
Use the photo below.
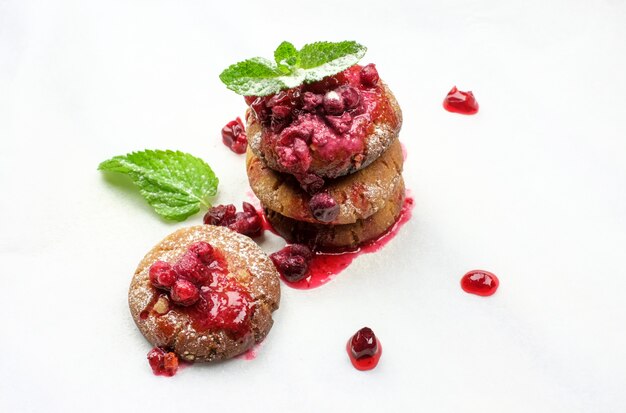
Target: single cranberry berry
(162, 275)
(293, 268)
(323, 207)
(333, 103)
(369, 75)
(190, 267)
(184, 292)
(350, 95)
(292, 262)
(203, 250)
(234, 136)
(220, 215)
(364, 343)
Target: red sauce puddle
(480, 282)
(326, 265)
(461, 102)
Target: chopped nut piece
(162, 305)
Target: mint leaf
(175, 184)
(286, 56)
(318, 54)
(257, 74)
(315, 61)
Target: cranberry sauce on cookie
(198, 284)
(322, 126)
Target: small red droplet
(480, 282)
(458, 101)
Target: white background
(532, 188)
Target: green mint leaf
(315, 61)
(320, 54)
(286, 55)
(256, 76)
(175, 184)
(259, 77)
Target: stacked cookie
(325, 161)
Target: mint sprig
(291, 67)
(175, 184)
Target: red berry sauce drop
(480, 282)
(460, 102)
(324, 266)
(364, 349)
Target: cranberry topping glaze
(234, 136)
(460, 102)
(163, 363)
(364, 349)
(320, 128)
(247, 222)
(292, 262)
(480, 282)
(203, 289)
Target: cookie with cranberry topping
(205, 292)
(357, 196)
(348, 236)
(325, 129)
